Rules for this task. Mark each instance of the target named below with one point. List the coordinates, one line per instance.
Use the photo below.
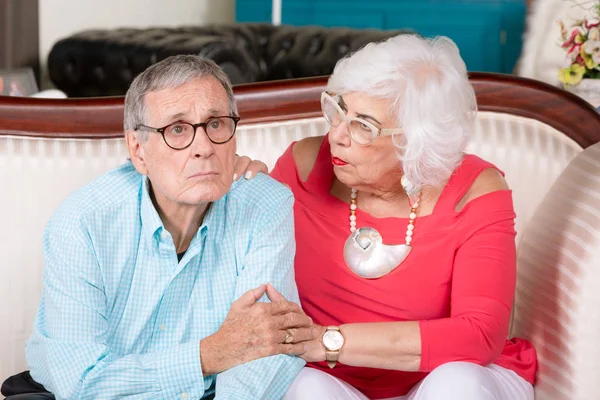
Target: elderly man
(154, 271)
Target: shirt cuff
(180, 372)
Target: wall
(19, 34)
(487, 32)
(61, 18)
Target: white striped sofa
(532, 131)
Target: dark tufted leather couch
(104, 62)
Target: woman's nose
(340, 134)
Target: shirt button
(164, 234)
(162, 327)
(184, 395)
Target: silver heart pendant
(367, 256)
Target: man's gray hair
(171, 72)
(426, 84)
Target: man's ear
(136, 152)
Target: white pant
(451, 381)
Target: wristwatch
(333, 340)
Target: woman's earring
(408, 186)
(412, 190)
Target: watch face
(333, 340)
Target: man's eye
(177, 129)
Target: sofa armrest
(557, 296)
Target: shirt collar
(151, 222)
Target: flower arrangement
(583, 49)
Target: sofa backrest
(49, 148)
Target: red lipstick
(338, 161)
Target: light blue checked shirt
(120, 317)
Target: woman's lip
(338, 161)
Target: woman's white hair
(426, 83)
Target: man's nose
(201, 145)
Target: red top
(458, 281)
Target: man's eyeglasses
(361, 131)
(180, 135)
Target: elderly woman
(405, 244)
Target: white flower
(570, 58)
(592, 47)
(594, 34)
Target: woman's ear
(136, 152)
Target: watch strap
(332, 356)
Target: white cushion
(36, 175)
(531, 154)
(266, 142)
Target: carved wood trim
(295, 99)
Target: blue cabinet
(487, 32)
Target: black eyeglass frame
(203, 125)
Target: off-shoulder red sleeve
(483, 284)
